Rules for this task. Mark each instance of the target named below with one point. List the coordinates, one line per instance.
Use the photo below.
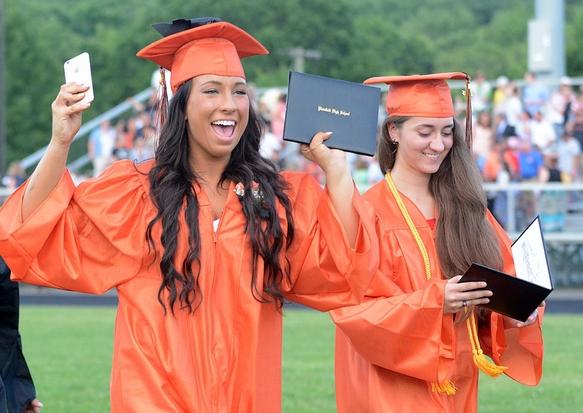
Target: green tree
(356, 40)
(573, 36)
(379, 49)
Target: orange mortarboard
(201, 46)
(425, 96)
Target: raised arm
(338, 181)
(66, 123)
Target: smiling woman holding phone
(203, 243)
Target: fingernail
(327, 133)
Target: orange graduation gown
(226, 357)
(391, 347)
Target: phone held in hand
(78, 70)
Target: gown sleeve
(326, 272)
(520, 349)
(401, 326)
(402, 331)
(87, 239)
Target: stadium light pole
(546, 40)
(2, 90)
(299, 56)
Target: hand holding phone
(78, 70)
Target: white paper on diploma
(530, 260)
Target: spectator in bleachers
(534, 95)
(542, 133)
(483, 136)
(510, 149)
(481, 94)
(141, 151)
(120, 151)
(100, 147)
(15, 176)
(559, 106)
(522, 128)
(143, 122)
(569, 153)
(550, 171)
(530, 161)
(552, 204)
(502, 129)
(360, 173)
(512, 108)
(130, 131)
(575, 124)
(270, 144)
(374, 170)
(499, 95)
(278, 116)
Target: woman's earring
(395, 146)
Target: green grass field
(69, 352)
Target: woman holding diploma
(418, 340)
(203, 243)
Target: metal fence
(560, 206)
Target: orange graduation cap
(424, 95)
(208, 45)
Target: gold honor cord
(410, 223)
(480, 359)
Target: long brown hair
(464, 234)
(173, 195)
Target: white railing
(512, 189)
(86, 128)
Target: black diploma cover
(518, 297)
(321, 104)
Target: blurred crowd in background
(527, 132)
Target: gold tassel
(446, 387)
(480, 360)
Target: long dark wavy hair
(171, 182)
(464, 234)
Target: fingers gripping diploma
(458, 296)
(330, 160)
(512, 323)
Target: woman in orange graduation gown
(203, 243)
(415, 342)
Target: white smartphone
(78, 70)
